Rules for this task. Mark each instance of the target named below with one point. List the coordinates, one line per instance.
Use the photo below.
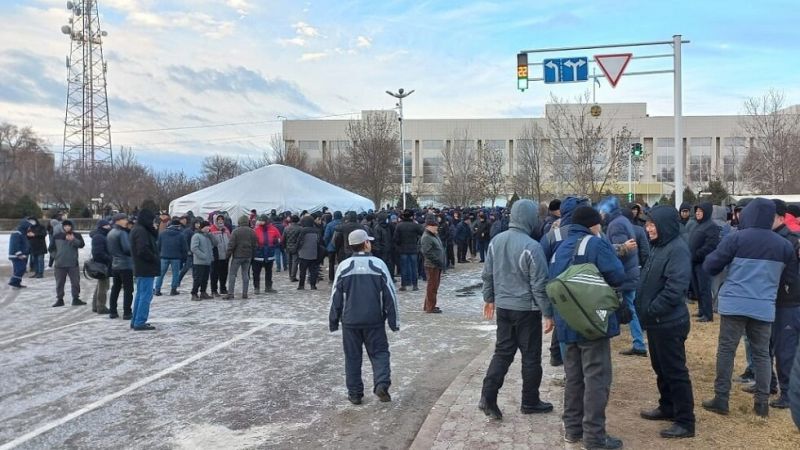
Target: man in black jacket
(146, 267)
(101, 255)
(383, 245)
(703, 240)
(661, 306)
(341, 232)
(36, 234)
(406, 240)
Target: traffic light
(522, 71)
(636, 149)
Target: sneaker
(355, 399)
(781, 402)
(572, 438)
(204, 296)
(751, 389)
(490, 409)
(655, 414)
(539, 408)
(270, 291)
(716, 405)
(676, 432)
(610, 442)
(746, 377)
(58, 303)
(18, 286)
(761, 409)
(145, 327)
(174, 292)
(634, 352)
(157, 293)
(705, 319)
(382, 392)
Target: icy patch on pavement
(210, 436)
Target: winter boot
(77, 302)
(59, 302)
(716, 405)
(174, 292)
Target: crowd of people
(739, 264)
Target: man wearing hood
(514, 279)
(330, 246)
(759, 261)
(146, 265)
(557, 233)
(36, 237)
(685, 212)
(172, 250)
(101, 255)
(65, 263)
(642, 241)
(350, 224)
(661, 306)
(619, 231)
(383, 245)
(18, 250)
(702, 241)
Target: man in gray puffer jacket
(514, 278)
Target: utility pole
(87, 128)
(400, 95)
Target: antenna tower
(87, 129)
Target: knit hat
(555, 205)
(263, 218)
(67, 222)
(586, 216)
(780, 207)
(118, 216)
(793, 210)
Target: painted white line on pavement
(25, 336)
(109, 398)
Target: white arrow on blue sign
(566, 70)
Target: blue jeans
(281, 260)
(141, 304)
(636, 328)
(480, 247)
(37, 264)
(176, 273)
(408, 269)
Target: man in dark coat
(383, 245)
(661, 306)
(482, 233)
(172, 250)
(146, 267)
(341, 232)
(119, 246)
(101, 255)
(406, 240)
(67, 244)
(703, 239)
(18, 250)
(462, 236)
(36, 238)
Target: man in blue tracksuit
(18, 250)
(363, 300)
(619, 230)
(330, 246)
(587, 364)
(758, 261)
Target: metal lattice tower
(87, 128)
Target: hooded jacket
(600, 252)
(720, 217)
(243, 241)
(341, 233)
(202, 248)
(99, 237)
(515, 272)
(268, 241)
(38, 244)
(119, 247)
(661, 297)
(383, 244)
(789, 294)
(144, 249)
(330, 228)
(642, 241)
(757, 259)
(18, 244)
(308, 240)
(222, 237)
(619, 230)
(172, 244)
(704, 238)
(557, 234)
(406, 237)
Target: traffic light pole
(630, 175)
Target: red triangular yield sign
(613, 65)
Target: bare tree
(131, 182)
(490, 178)
(26, 165)
(218, 168)
(772, 164)
(372, 158)
(332, 168)
(280, 153)
(459, 160)
(581, 158)
(529, 171)
(171, 185)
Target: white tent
(275, 187)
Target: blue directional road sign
(566, 70)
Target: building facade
(714, 147)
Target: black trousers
(331, 265)
(374, 340)
(462, 251)
(267, 267)
(122, 279)
(200, 278)
(668, 358)
(451, 257)
(219, 276)
(516, 330)
(312, 268)
(555, 348)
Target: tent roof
(271, 187)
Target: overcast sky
(190, 63)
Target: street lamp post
(400, 95)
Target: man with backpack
(661, 305)
(514, 278)
(587, 363)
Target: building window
(665, 159)
(495, 144)
(432, 169)
(432, 145)
(733, 152)
(700, 159)
(308, 146)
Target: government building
(714, 147)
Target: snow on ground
(257, 373)
(85, 252)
